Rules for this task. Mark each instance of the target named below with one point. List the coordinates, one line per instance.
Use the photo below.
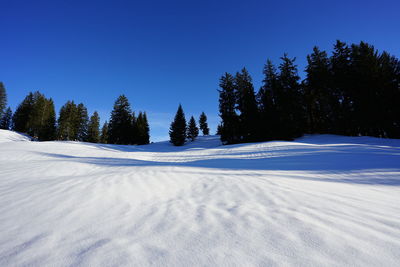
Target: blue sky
(162, 53)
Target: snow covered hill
(319, 201)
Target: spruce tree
(227, 102)
(267, 102)
(5, 122)
(22, 114)
(203, 124)
(247, 106)
(318, 95)
(104, 133)
(3, 99)
(192, 130)
(48, 128)
(67, 126)
(120, 125)
(177, 132)
(81, 122)
(93, 134)
(142, 126)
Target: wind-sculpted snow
(319, 201)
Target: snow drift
(321, 200)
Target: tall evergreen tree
(22, 114)
(289, 101)
(36, 117)
(3, 98)
(120, 125)
(5, 121)
(177, 132)
(203, 124)
(142, 126)
(267, 102)
(81, 122)
(104, 133)
(93, 133)
(227, 103)
(67, 126)
(192, 130)
(247, 106)
(318, 95)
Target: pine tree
(267, 102)
(36, 117)
(192, 130)
(247, 106)
(203, 124)
(120, 126)
(177, 132)
(5, 122)
(93, 133)
(142, 126)
(227, 102)
(104, 133)
(48, 128)
(3, 99)
(318, 95)
(67, 126)
(22, 114)
(290, 109)
(81, 122)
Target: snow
(322, 200)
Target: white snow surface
(322, 200)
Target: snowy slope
(320, 201)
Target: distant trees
(192, 131)
(6, 119)
(177, 131)
(203, 124)
(93, 133)
(104, 133)
(3, 99)
(72, 122)
(124, 128)
(36, 116)
(355, 91)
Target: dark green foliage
(177, 132)
(3, 99)
(120, 126)
(192, 130)
(219, 129)
(247, 106)
(6, 119)
(266, 102)
(203, 124)
(81, 122)
(318, 97)
(104, 133)
(142, 128)
(36, 117)
(67, 122)
(227, 110)
(93, 133)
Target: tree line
(36, 116)
(355, 91)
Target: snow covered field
(319, 201)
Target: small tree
(104, 133)
(93, 134)
(3, 98)
(177, 132)
(203, 124)
(192, 130)
(5, 122)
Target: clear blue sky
(162, 53)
